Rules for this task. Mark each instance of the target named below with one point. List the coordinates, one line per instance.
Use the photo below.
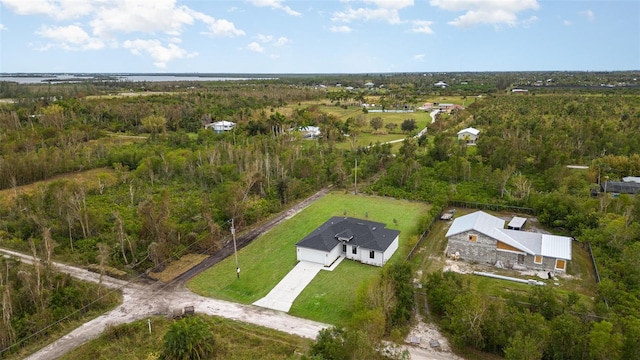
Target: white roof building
(221, 126)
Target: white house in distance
(365, 241)
(469, 135)
(220, 126)
(482, 237)
(308, 132)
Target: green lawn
(269, 258)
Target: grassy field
(268, 259)
(234, 340)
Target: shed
(517, 223)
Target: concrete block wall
(483, 250)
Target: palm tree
(188, 339)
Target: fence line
(424, 235)
(494, 207)
(595, 268)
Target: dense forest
(168, 186)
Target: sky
(322, 36)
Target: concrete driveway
(282, 295)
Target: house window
(344, 248)
(520, 259)
(473, 237)
(537, 259)
(354, 250)
(560, 264)
(372, 254)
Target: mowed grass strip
(178, 267)
(269, 258)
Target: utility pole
(356, 178)
(235, 248)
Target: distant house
(369, 85)
(309, 132)
(365, 241)
(620, 187)
(519, 91)
(469, 135)
(426, 106)
(220, 126)
(635, 179)
(482, 237)
(441, 84)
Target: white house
(482, 237)
(365, 241)
(308, 132)
(220, 126)
(469, 135)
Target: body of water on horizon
(55, 78)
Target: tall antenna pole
(235, 248)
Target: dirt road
(141, 301)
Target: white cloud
(264, 38)
(391, 4)
(383, 10)
(159, 53)
(282, 41)
(131, 16)
(588, 14)
(418, 57)
(113, 21)
(2, 27)
(340, 29)
(57, 9)
(71, 37)
(528, 22)
(567, 23)
(223, 28)
(254, 46)
(421, 26)
(275, 4)
(496, 12)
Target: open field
(130, 94)
(268, 259)
(233, 340)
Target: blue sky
(323, 36)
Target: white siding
(390, 251)
(357, 256)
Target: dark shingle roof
(363, 233)
(620, 187)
